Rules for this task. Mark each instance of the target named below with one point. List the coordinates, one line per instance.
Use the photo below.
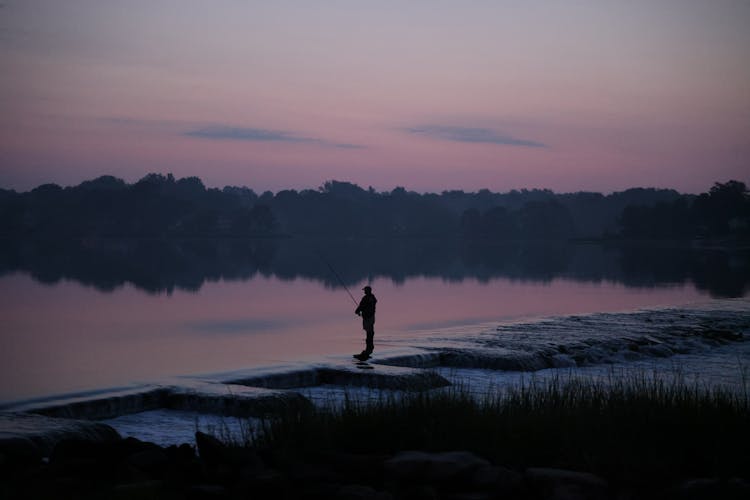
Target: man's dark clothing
(366, 308)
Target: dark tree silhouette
(723, 212)
(161, 206)
(724, 209)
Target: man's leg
(370, 340)
(369, 344)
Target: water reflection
(159, 266)
(70, 337)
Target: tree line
(155, 206)
(162, 206)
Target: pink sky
(430, 95)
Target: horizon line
(386, 191)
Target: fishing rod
(338, 277)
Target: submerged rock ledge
(222, 399)
(30, 437)
(37, 426)
(248, 393)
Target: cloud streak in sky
(471, 135)
(224, 132)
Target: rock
(126, 460)
(182, 453)
(214, 452)
(419, 492)
(241, 401)
(208, 491)
(386, 377)
(714, 488)
(183, 465)
(565, 476)
(359, 492)
(75, 448)
(307, 473)
(131, 445)
(568, 492)
(486, 477)
(210, 449)
(473, 495)
(315, 491)
(267, 483)
(357, 468)
(111, 451)
(564, 484)
(146, 490)
(433, 467)
(152, 462)
(26, 436)
(496, 478)
(82, 459)
(20, 451)
(126, 474)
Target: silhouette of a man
(366, 309)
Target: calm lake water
(106, 313)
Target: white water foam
(704, 345)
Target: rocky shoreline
(117, 468)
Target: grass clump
(633, 430)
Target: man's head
(368, 290)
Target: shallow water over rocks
(706, 345)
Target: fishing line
(338, 277)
